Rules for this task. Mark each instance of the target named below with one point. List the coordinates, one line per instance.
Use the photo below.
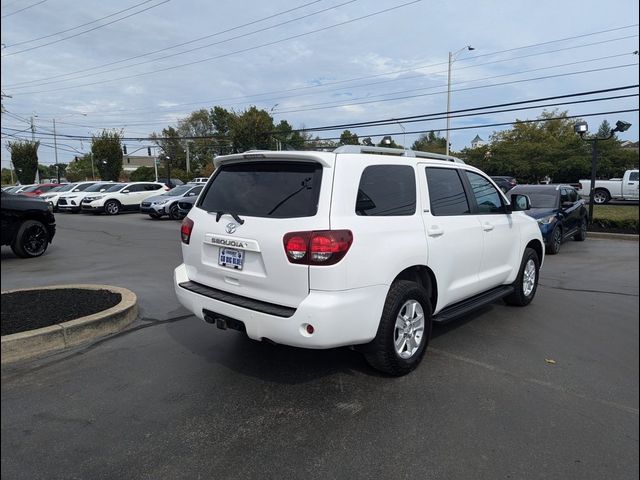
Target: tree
(143, 174)
(430, 142)
(251, 130)
(348, 138)
(80, 169)
(24, 156)
(532, 151)
(7, 176)
(107, 152)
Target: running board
(462, 308)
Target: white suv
(362, 246)
(121, 196)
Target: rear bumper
(339, 318)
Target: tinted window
(136, 188)
(573, 195)
(83, 187)
(540, 198)
(446, 192)
(115, 187)
(152, 186)
(265, 189)
(178, 191)
(487, 197)
(386, 190)
(633, 176)
(98, 187)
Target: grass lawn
(616, 212)
(615, 219)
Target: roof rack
(400, 152)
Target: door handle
(487, 227)
(435, 231)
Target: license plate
(231, 258)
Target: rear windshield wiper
(305, 184)
(235, 216)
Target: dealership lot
(174, 397)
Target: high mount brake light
(322, 247)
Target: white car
(70, 201)
(200, 180)
(53, 196)
(363, 246)
(121, 196)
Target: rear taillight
(323, 247)
(185, 230)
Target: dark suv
(28, 224)
(505, 183)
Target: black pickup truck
(28, 225)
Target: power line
(228, 54)
(501, 124)
(546, 77)
(369, 97)
(443, 115)
(329, 106)
(45, 81)
(23, 9)
(78, 26)
(85, 31)
(474, 111)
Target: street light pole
(581, 128)
(451, 59)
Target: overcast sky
(141, 65)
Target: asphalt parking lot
(176, 398)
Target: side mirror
(125, 191)
(520, 203)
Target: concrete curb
(23, 345)
(613, 236)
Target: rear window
(265, 189)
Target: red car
(36, 190)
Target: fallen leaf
(550, 360)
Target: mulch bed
(31, 309)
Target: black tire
(381, 353)
(553, 247)
(112, 207)
(524, 292)
(155, 216)
(581, 236)
(174, 212)
(32, 239)
(601, 196)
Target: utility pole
(33, 131)
(55, 146)
(93, 172)
(187, 156)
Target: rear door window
(487, 197)
(387, 190)
(446, 192)
(265, 189)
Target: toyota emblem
(231, 227)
